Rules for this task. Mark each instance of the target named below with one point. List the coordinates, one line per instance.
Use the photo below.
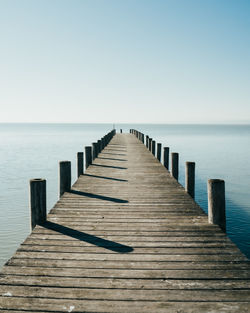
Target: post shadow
(104, 177)
(95, 196)
(123, 160)
(116, 150)
(99, 242)
(114, 153)
(110, 166)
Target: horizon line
(140, 123)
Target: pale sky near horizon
(158, 61)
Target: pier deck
(127, 238)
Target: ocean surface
(33, 151)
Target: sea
(30, 151)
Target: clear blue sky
(125, 61)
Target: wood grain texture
(126, 238)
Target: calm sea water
(34, 150)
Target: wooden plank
(166, 265)
(128, 283)
(64, 305)
(124, 294)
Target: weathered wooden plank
(106, 247)
(128, 283)
(124, 273)
(64, 305)
(135, 243)
(124, 294)
(166, 265)
(109, 255)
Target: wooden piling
(64, 177)
(88, 156)
(216, 203)
(175, 165)
(37, 201)
(94, 150)
(99, 146)
(150, 144)
(159, 152)
(147, 137)
(190, 179)
(166, 157)
(153, 147)
(80, 166)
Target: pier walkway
(126, 238)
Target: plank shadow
(116, 150)
(110, 166)
(113, 153)
(123, 160)
(104, 177)
(95, 196)
(97, 241)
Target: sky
(125, 61)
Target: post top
(216, 181)
(37, 180)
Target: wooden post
(150, 144)
(64, 177)
(175, 165)
(37, 202)
(216, 203)
(143, 139)
(190, 178)
(159, 151)
(99, 144)
(102, 143)
(153, 147)
(79, 163)
(94, 152)
(121, 131)
(147, 141)
(166, 157)
(88, 156)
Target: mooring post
(80, 163)
(166, 157)
(64, 177)
(153, 147)
(150, 144)
(159, 151)
(105, 140)
(99, 143)
(216, 203)
(94, 150)
(88, 156)
(175, 165)
(190, 178)
(37, 202)
(102, 143)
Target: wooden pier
(126, 237)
